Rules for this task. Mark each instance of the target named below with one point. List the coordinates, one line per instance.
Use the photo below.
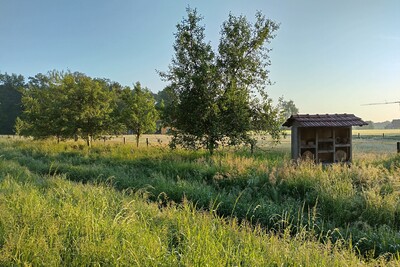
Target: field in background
(367, 144)
(381, 141)
(389, 133)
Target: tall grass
(47, 220)
(357, 206)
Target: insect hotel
(323, 138)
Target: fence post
(124, 140)
(398, 147)
(358, 135)
(147, 142)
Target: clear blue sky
(328, 56)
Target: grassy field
(116, 205)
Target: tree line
(213, 96)
(69, 105)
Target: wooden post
(124, 140)
(358, 135)
(398, 147)
(295, 144)
(147, 142)
(383, 135)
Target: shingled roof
(324, 120)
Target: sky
(327, 56)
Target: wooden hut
(323, 138)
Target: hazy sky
(328, 56)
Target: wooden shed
(323, 138)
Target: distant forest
(11, 87)
(14, 87)
(394, 124)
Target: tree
(11, 87)
(164, 98)
(289, 108)
(115, 126)
(138, 111)
(192, 76)
(90, 105)
(194, 111)
(66, 105)
(242, 63)
(44, 107)
(219, 97)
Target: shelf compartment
(326, 151)
(342, 145)
(325, 140)
(308, 146)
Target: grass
(232, 208)
(50, 221)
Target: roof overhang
(324, 120)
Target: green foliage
(66, 105)
(138, 111)
(194, 110)
(217, 98)
(45, 106)
(289, 108)
(242, 63)
(90, 106)
(10, 101)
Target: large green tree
(243, 68)
(10, 101)
(192, 76)
(90, 105)
(221, 96)
(138, 111)
(45, 108)
(66, 105)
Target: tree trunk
(253, 143)
(211, 145)
(88, 140)
(137, 140)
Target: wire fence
(376, 138)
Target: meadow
(117, 205)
